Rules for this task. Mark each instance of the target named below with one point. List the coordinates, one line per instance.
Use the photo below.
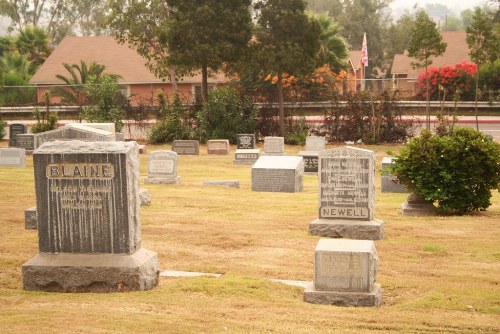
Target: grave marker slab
(218, 146)
(162, 168)
(186, 147)
(245, 141)
(246, 156)
(12, 157)
(278, 174)
(26, 141)
(389, 183)
(222, 183)
(315, 143)
(347, 195)
(274, 146)
(14, 130)
(89, 230)
(344, 274)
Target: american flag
(364, 52)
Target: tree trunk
(204, 84)
(173, 79)
(475, 99)
(427, 98)
(281, 107)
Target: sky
(398, 6)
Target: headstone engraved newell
(344, 274)
(12, 157)
(89, 230)
(245, 141)
(347, 195)
(14, 130)
(186, 147)
(314, 145)
(389, 182)
(274, 146)
(278, 174)
(162, 168)
(218, 146)
(246, 156)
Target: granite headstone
(186, 147)
(246, 156)
(278, 174)
(162, 168)
(14, 130)
(274, 146)
(218, 146)
(389, 183)
(12, 157)
(245, 141)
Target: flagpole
(364, 61)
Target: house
(404, 75)
(136, 80)
(356, 73)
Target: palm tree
(15, 70)
(73, 91)
(333, 49)
(33, 42)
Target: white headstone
(162, 168)
(274, 145)
(278, 174)
(12, 157)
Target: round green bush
(457, 170)
(3, 124)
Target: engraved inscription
(247, 156)
(80, 171)
(310, 163)
(274, 180)
(274, 145)
(334, 265)
(161, 166)
(245, 142)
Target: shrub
(297, 131)
(457, 169)
(3, 124)
(228, 113)
(174, 124)
(44, 121)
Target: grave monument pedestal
(89, 232)
(344, 274)
(346, 180)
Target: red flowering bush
(447, 81)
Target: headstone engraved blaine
(344, 274)
(347, 195)
(89, 230)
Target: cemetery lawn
(438, 274)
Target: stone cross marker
(89, 230)
(245, 141)
(14, 130)
(274, 146)
(347, 195)
(162, 168)
(345, 273)
(218, 146)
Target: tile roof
(355, 57)
(457, 51)
(119, 59)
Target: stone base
(274, 154)
(417, 210)
(223, 183)
(347, 228)
(91, 272)
(175, 180)
(341, 298)
(30, 219)
(244, 161)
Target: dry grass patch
(438, 274)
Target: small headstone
(119, 136)
(246, 156)
(30, 220)
(162, 168)
(347, 195)
(245, 141)
(14, 130)
(390, 182)
(344, 274)
(26, 141)
(186, 147)
(416, 205)
(274, 146)
(89, 231)
(223, 183)
(144, 196)
(218, 146)
(278, 174)
(12, 157)
(315, 143)
(142, 149)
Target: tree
(398, 35)
(6, 45)
(34, 43)
(286, 41)
(74, 91)
(483, 45)
(15, 70)
(425, 42)
(333, 47)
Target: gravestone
(274, 145)
(222, 183)
(144, 197)
(26, 141)
(12, 157)
(344, 274)
(278, 174)
(417, 206)
(30, 222)
(389, 183)
(186, 147)
(74, 131)
(246, 156)
(218, 146)
(162, 168)
(245, 141)
(347, 195)
(14, 130)
(89, 230)
(314, 145)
